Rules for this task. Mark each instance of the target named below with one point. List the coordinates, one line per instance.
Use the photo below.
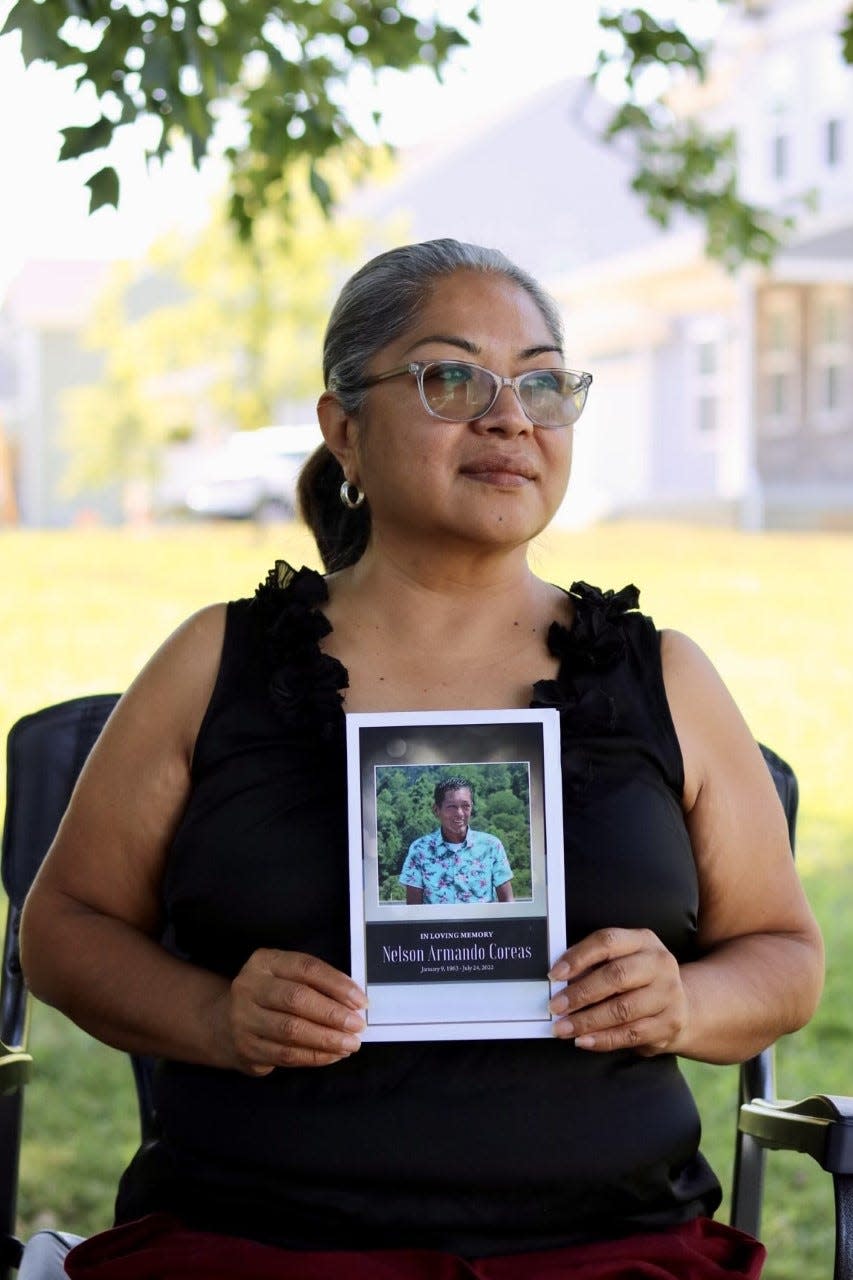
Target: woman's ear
(340, 432)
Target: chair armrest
(820, 1126)
(15, 1069)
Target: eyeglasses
(456, 391)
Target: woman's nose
(506, 416)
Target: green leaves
(647, 42)
(282, 67)
(79, 140)
(679, 164)
(103, 186)
(320, 188)
(684, 167)
(39, 43)
(847, 36)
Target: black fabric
(473, 1147)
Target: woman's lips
(503, 473)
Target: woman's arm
(91, 922)
(761, 966)
(762, 972)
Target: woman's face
(497, 480)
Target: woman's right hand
(286, 1009)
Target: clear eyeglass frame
(417, 368)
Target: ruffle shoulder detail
(596, 640)
(594, 644)
(305, 683)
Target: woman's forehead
(479, 307)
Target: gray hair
(381, 301)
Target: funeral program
(456, 871)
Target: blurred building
(717, 396)
(732, 395)
(42, 354)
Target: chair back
(758, 1074)
(45, 753)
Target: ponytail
(341, 534)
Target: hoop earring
(351, 496)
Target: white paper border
(473, 1028)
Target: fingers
(624, 991)
(274, 973)
(598, 948)
(292, 1010)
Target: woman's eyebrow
(543, 349)
(449, 339)
(452, 340)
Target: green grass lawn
(81, 611)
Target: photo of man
(455, 863)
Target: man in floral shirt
(456, 864)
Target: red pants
(159, 1248)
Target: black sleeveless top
(474, 1147)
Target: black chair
(820, 1126)
(46, 751)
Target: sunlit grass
(81, 611)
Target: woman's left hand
(623, 991)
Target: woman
(213, 813)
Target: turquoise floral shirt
(467, 872)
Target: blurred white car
(253, 474)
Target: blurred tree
(679, 164)
(283, 66)
(179, 62)
(241, 335)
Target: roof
(538, 183)
(55, 294)
(837, 244)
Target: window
(780, 394)
(831, 357)
(780, 383)
(830, 388)
(706, 361)
(706, 414)
(779, 331)
(833, 134)
(831, 321)
(779, 156)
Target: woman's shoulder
(191, 650)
